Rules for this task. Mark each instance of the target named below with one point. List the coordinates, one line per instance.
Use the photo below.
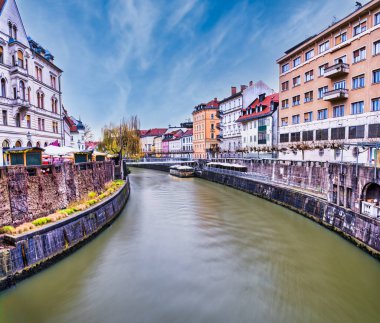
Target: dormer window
(20, 59)
(15, 32)
(10, 29)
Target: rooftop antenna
(358, 5)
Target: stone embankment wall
(27, 193)
(30, 252)
(362, 230)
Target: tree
(124, 139)
(88, 134)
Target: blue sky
(159, 58)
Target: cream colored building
(330, 90)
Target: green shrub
(67, 211)
(102, 196)
(7, 229)
(92, 195)
(41, 221)
(91, 202)
(118, 182)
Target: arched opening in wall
(18, 143)
(5, 144)
(29, 144)
(20, 58)
(38, 144)
(371, 192)
(3, 88)
(46, 144)
(22, 90)
(15, 32)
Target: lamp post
(78, 144)
(29, 138)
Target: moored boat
(182, 171)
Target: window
(296, 100)
(53, 82)
(376, 76)
(309, 76)
(14, 93)
(308, 96)
(29, 95)
(212, 136)
(212, 116)
(297, 61)
(376, 47)
(374, 130)
(3, 88)
(55, 127)
(342, 59)
(28, 123)
(285, 86)
(340, 38)
(338, 111)
(296, 119)
(15, 32)
(377, 19)
(40, 100)
(5, 117)
(308, 135)
(54, 105)
(324, 46)
(322, 69)
(285, 103)
(20, 59)
(284, 137)
(375, 105)
(322, 91)
(18, 119)
(340, 85)
(357, 107)
(338, 133)
(359, 55)
(322, 114)
(296, 81)
(358, 82)
(322, 134)
(308, 117)
(358, 29)
(284, 122)
(39, 73)
(295, 136)
(285, 68)
(22, 90)
(356, 132)
(1, 54)
(309, 55)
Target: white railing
(237, 173)
(370, 209)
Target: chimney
(250, 83)
(242, 87)
(233, 90)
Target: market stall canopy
(26, 156)
(58, 151)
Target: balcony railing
(338, 94)
(370, 209)
(337, 70)
(219, 137)
(18, 69)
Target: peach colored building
(330, 90)
(205, 132)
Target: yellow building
(205, 132)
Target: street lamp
(29, 138)
(78, 144)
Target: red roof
(265, 111)
(213, 103)
(71, 123)
(155, 132)
(188, 132)
(142, 132)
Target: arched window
(15, 32)
(1, 54)
(18, 143)
(45, 144)
(29, 95)
(10, 29)
(5, 144)
(54, 105)
(29, 144)
(38, 144)
(20, 59)
(42, 101)
(3, 88)
(22, 90)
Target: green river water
(188, 250)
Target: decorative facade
(30, 91)
(330, 91)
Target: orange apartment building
(205, 132)
(330, 90)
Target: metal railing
(256, 176)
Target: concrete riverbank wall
(25, 254)
(360, 229)
(27, 193)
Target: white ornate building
(30, 87)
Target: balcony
(218, 125)
(370, 209)
(18, 69)
(262, 128)
(337, 70)
(219, 137)
(335, 95)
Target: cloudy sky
(159, 58)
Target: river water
(188, 250)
